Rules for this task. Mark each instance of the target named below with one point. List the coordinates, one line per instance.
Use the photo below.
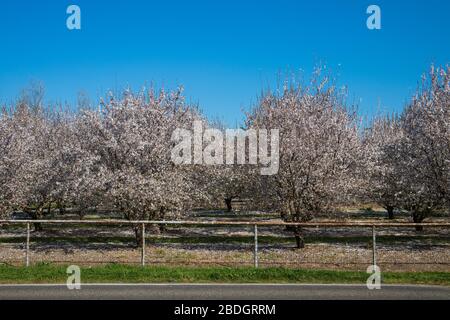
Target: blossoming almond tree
(12, 146)
(225, 182)
(423, 157)
(129, 147)
(380, 142)
(41, 159)
(319, 150)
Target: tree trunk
(228, 203)
(61, 208)
(418, 218)
(81, 214)
(390, 211)
(138, 234)
(37, 227)
(161, 216)
(289, 228)
(283, 217)
(36, 215)
(299, 237)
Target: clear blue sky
(223, 52)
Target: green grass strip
(118, 273)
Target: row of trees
(119, 155)
(328, 158)
(409, 154)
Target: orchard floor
(398, 249)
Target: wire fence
(372, 226)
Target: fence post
(27, 247)
(255, 252)
(143, 246)
(374, 247)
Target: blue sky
(223, 52)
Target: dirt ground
(315, 256)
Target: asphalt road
(222, 291)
